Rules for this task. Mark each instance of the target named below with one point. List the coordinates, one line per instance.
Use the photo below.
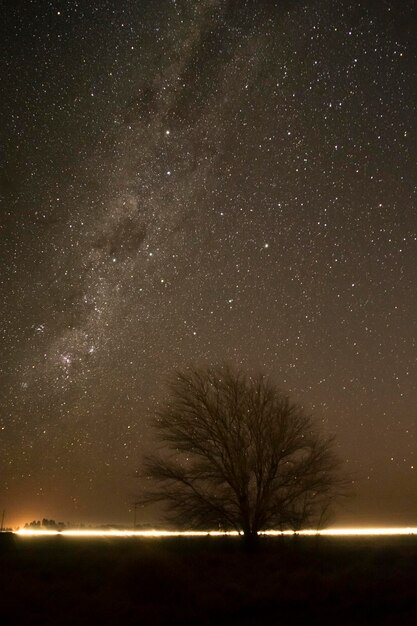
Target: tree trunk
(250, 540)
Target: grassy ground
(210, 581)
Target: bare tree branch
(238, 454)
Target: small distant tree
(237, 454)
(33, 524)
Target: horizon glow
(328, 532)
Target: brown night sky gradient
(196, 182)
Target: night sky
(193, 182)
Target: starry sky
(190, 181)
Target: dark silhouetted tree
(238, 454)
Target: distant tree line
(46, 524)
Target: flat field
(208, 581)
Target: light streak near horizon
(329, 532)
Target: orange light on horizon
(329, 532)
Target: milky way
(193, 182)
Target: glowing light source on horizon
(330, 532)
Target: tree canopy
(236, 453)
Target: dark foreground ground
(212, 581)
